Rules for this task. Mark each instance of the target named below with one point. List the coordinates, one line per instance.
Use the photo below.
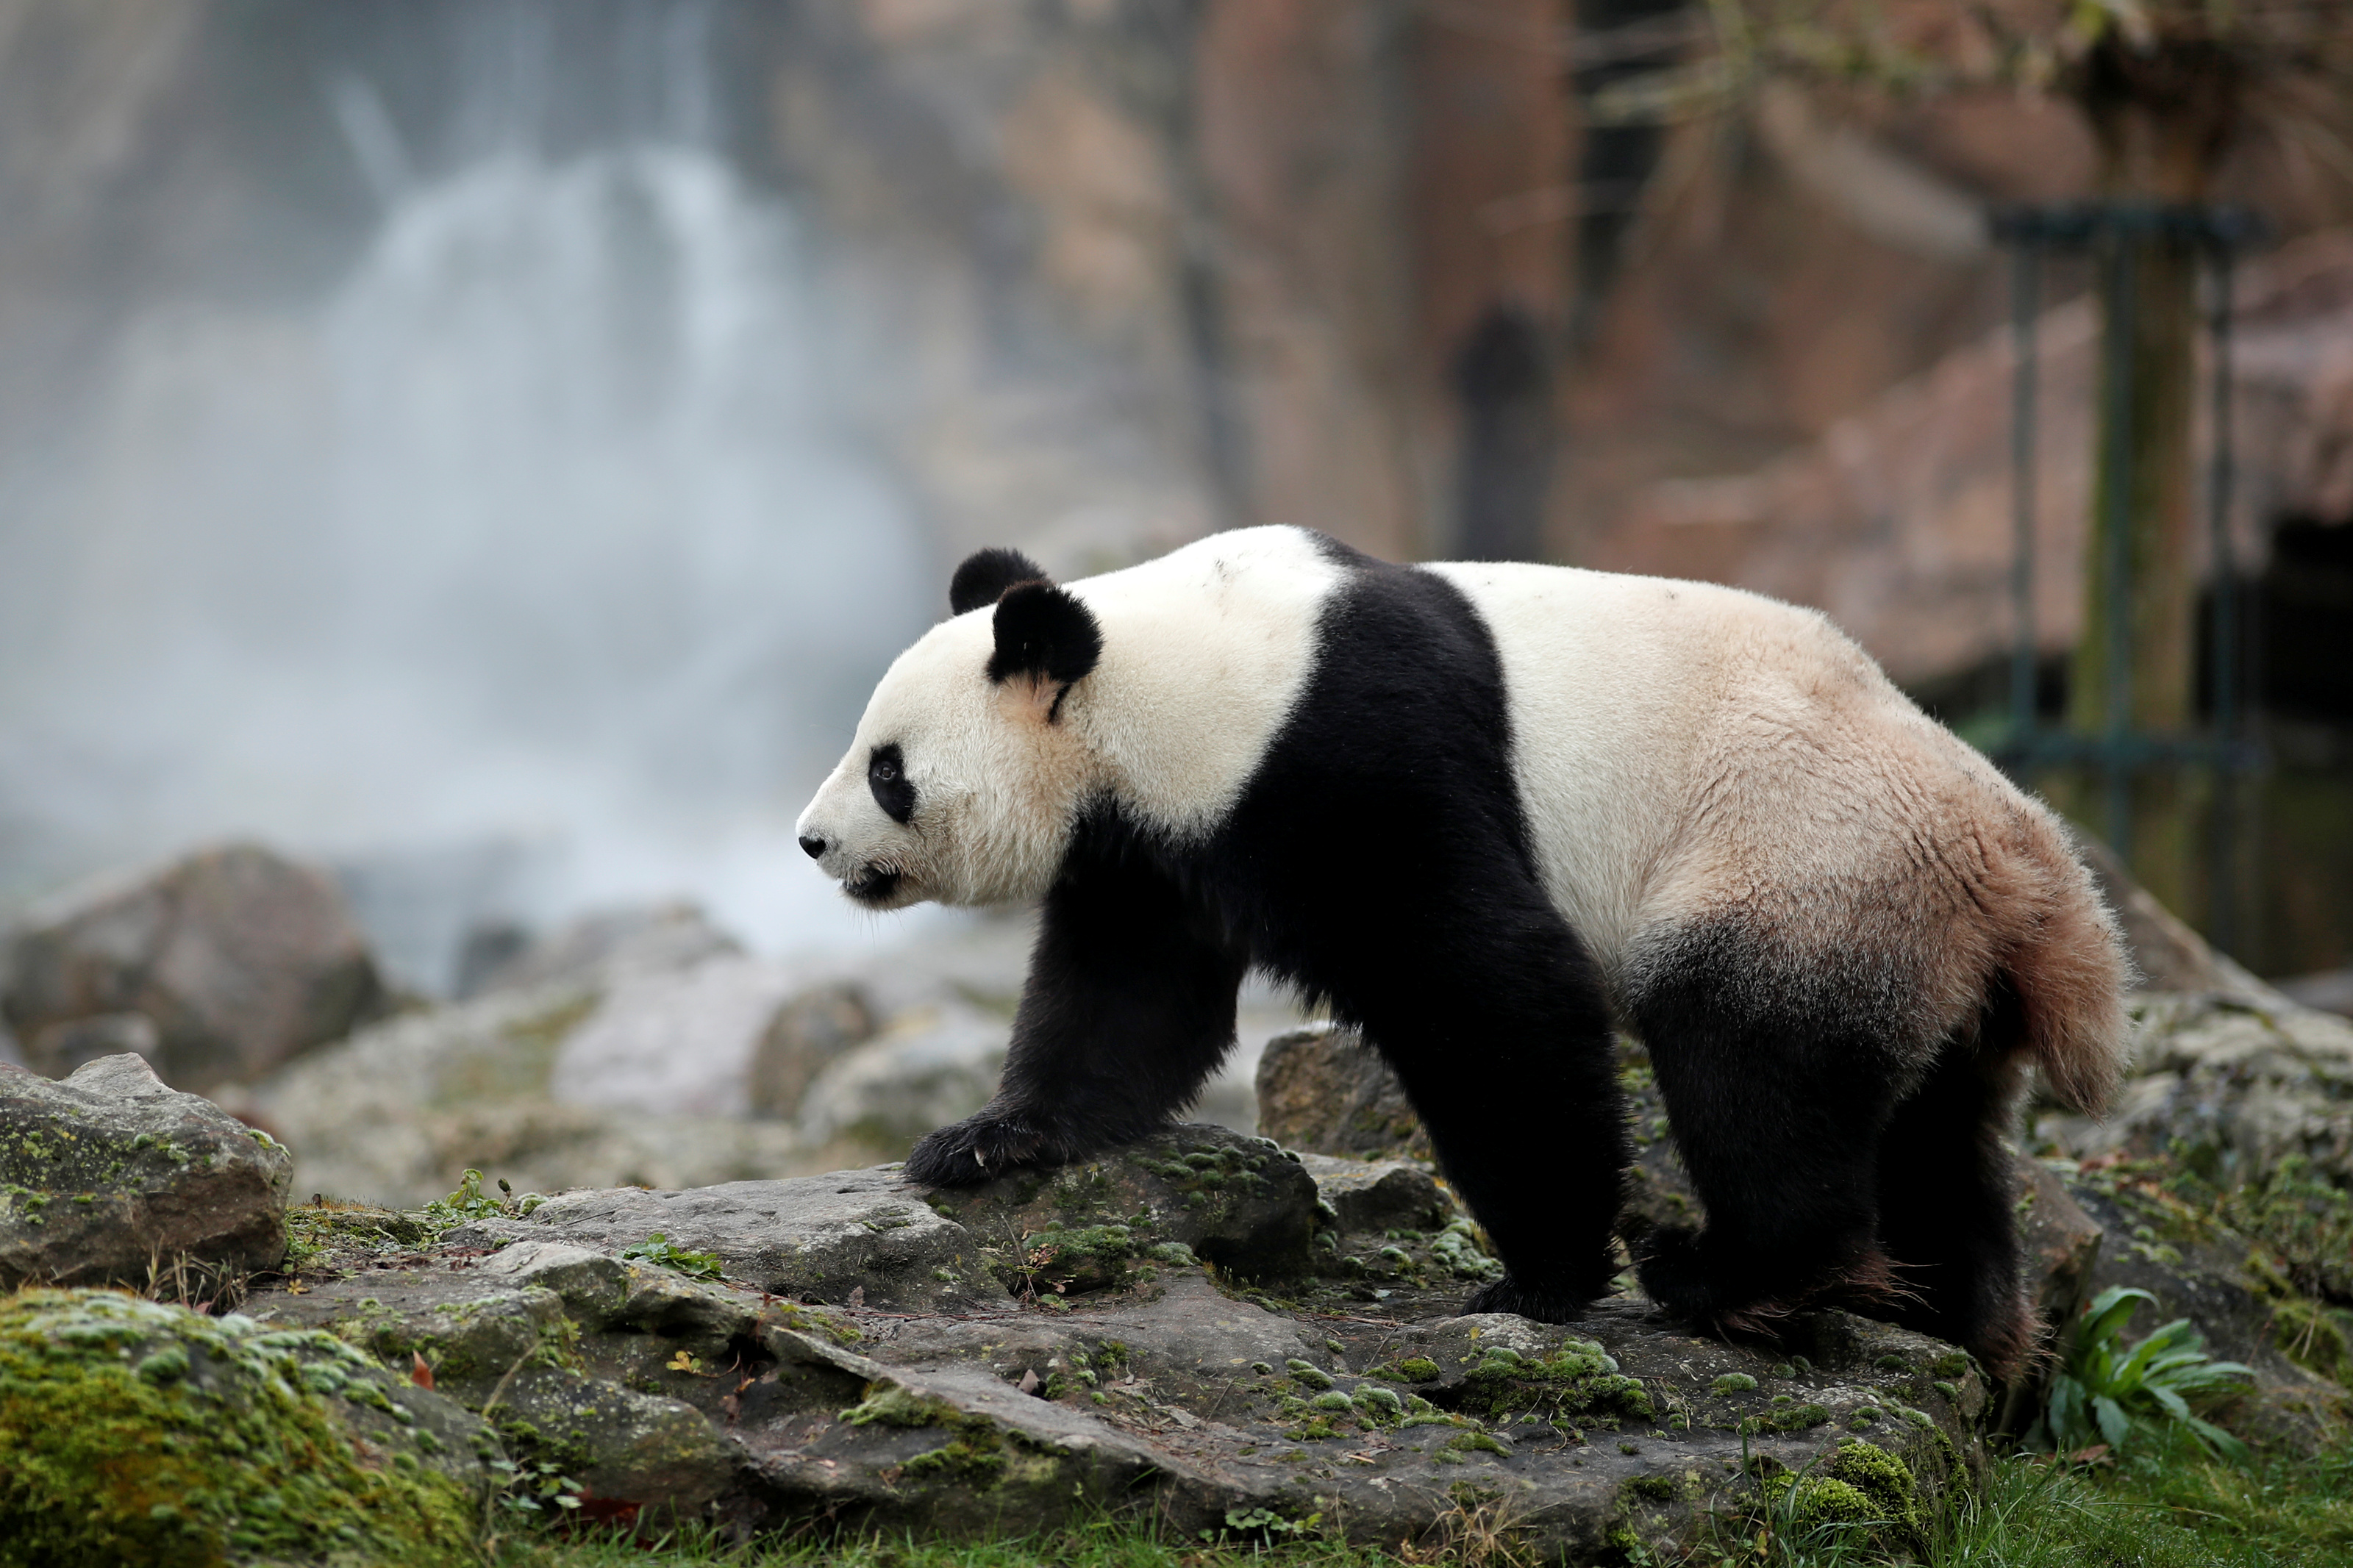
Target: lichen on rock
(110, 1170)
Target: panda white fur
(1485, 811)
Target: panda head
(967, 774)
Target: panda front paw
(1541, 1303)
(979, 1148)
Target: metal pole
(2123, 286)
(2223, 900)
(2026, 280)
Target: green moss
(1457, 1248)
(1814, 1501)
(660, 1250)
(2316, 1337)
(1090, 1257)
(1417, 1369)
(1859, 1486)
(1463, 1442)
(802, 1320)
(889, 1404)
(971, 1460)
(1951, 1364)
(1580, 1378)
(141, 1433)
(1733, 1382)
(1653, 1488)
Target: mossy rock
(1860, 1487)
(107, 1172)
(137, 1432)
(1577, 1379)
(1232, 1201)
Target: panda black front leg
(1128, 1009)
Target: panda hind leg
(1779, 1123)
(1947, 1203)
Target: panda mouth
(873, 884)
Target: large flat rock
(816, 1238)
(832, 1381)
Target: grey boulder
(241, 959)
(111, 1174)
(1379, 1195)
(1323, 1088)
(401, 1110)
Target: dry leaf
(418, 1373)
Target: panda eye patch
(886, 777)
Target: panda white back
(1634, 700)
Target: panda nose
(813, 845)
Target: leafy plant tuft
(2114, 1397)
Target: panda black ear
(1043, 632)
(985, 574)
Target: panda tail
(2069, 972)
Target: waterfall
(530, 568)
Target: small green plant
(534, 1487)
(1266, 1523)
(470, 1202)
(657, 1249)
(2112, 1397)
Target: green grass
(2174, 1507)
(1112, 1547)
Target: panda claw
(1542, 1304)
(973, 1151)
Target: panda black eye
(886, 777)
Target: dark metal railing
(2114, 235)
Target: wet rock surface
(111, 1174)
(2227, 1079)
(816, 1369)
(1194, 1191)
(2233, 1081)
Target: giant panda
(1488, 813)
